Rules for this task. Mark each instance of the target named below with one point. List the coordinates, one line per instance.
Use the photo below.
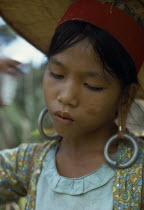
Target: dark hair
(112, 54)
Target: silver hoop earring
(116, 164)
(40, 120)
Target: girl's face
(80, 96)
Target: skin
(92, 99)
(9, 66)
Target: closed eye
(56, 76)
(59, 76)
(93, 88)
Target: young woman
(89, 85)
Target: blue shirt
(90, 192)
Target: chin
(65, 132)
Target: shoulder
(20, 156)
(28, 152)
(40, 150)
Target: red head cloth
(115, 21)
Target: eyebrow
(56, 62)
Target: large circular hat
(36, 21)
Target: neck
(92, 143)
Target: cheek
(45, 86)
(102, 107)
(95, 109)
(49, 88)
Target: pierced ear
(122, 117)
(124, 107)
(129, 94)
(125, 97)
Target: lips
(64, 115)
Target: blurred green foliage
(20, 118)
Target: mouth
(64, 116)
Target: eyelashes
(56, 76)
(91, 88)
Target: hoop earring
(114, 163)
(40, 119)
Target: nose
(68, 95)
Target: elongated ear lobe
(129, 94)
(122, 117)
(124, 107)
